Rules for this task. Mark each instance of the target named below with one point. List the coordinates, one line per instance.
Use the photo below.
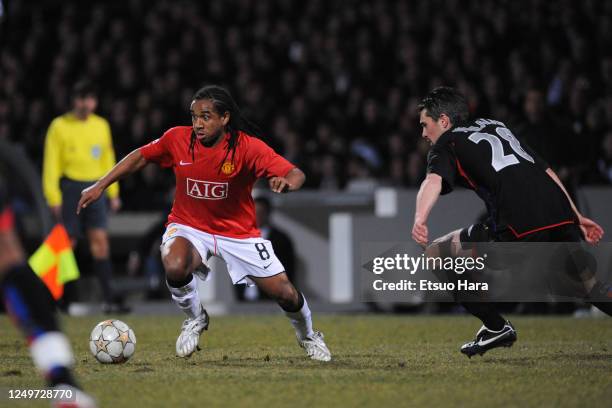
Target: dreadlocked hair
(223, 102)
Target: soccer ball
(112, 341)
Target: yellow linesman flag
(54, 261)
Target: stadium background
(333, 86)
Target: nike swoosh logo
(266, 267)
(492, 339)
(182, 163)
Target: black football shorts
(95, 215)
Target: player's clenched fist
(279, 184)
(592, 231)
(89, 195)
(420, 233)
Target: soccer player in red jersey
(216, 161)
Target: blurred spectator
(360, 176)
(316, 76)
(602, 173)
(543, 131)
(145, 260)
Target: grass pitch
(378, 361)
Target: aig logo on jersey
(206, 190)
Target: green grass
(379, 361)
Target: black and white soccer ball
(112, 341)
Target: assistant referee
(78, 151)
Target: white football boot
(187, 342)
(315, 347)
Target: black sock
(104, 271)
(180, 283)
(601, 297)
(289, 309)
(29, 301)
(487, 313)
(33, 308)
(60, 375)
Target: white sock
(187, 298)
(301, 321)
(251, 293)
(50, 350)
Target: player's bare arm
(291, 182)
(129, 164)
(426, 198)
(592, 231)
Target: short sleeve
(440, 162)
(157, 151)
(265, 161)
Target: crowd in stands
(333, 85)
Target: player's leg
(599, 294)
(102, 266)
(293, 303)
(461, 243)
(32, 308)
(254, 260)
(496, 330)
(180, 258)
(94, 218)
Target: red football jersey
(213, 192)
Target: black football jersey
(483, 155)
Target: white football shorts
(244, 257)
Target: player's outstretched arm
(291, 182)
(590, 229)
(129, 164)
(426, 198)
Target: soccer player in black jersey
(524, 198)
